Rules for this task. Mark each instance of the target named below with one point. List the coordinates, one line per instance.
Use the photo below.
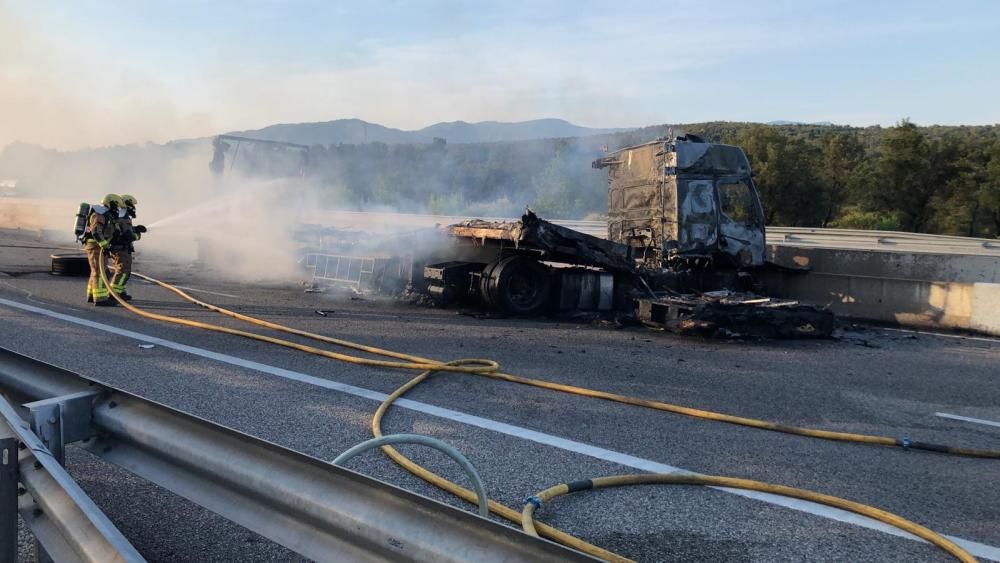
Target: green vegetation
(926, 179)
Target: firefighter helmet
(112, 200)
(129, 200)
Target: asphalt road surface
(870, 380)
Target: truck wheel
(70, 265)
(486, 285)
(518, 285)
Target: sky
(96, 73)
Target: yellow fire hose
(469, 495)
(430, 366)
(535, 502)
(488, 368)
(527, 520)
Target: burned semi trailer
(685, 235)
(682, 215)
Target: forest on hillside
(925, 179)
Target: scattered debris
(730, 315)
(147, 346)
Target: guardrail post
(62, 420)
(8, 495)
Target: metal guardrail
(308, 505)
(893, 241)
(66, 523)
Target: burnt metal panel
(554, 243)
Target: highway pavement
(523, 439)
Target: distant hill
(356, 131)
(785, 122)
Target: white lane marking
(978, 549)
(943, 335)
(199, 290)
(967, 419)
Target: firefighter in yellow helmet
(101, 225)
(122, 246)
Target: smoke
(233, 226)
(245, 232)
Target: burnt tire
(485, 291)
(518, 285)
(70, 265)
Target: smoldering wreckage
(684, 252)
(684, 245)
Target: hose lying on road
(467, 495)
(527, 521)
(481, 366)
(474, 366)
(488, 368)
(535, 502)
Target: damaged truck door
(741, 221)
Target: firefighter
(123, 246)
(101, 226)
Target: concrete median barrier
(949, 291)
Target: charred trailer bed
(522, 267)
(548, 241)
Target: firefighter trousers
(96, 290)
(121, 269)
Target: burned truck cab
(684, 202)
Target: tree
(988, 195)
(905, 180)
(786, 173)
(842, 155)
(958, 163)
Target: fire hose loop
(429, 441)
(461, 492)
(488, 368)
